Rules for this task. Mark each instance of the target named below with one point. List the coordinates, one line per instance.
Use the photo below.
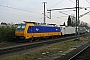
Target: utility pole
(44, 13)
(77, 21)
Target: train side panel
(72, 30)
(42, 31)
(68, 30)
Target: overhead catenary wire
(14, 14)
(57, 3)
(69, 10)
(88, 1)
(63, 13)
(19, 15)
(33, 4)
(84, 14)
(14, 8)
(19, 9)
(72, 1)
(30, 3)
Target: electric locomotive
(31, 30)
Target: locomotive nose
(19, 33)
(20, 30)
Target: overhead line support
(77, 37)
(44, 13)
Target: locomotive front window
(20, 27)
(23, 26)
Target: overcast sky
(17, 11)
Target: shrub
(7, 33)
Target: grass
(48, 51)
(5, 43)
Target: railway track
(12, 49)
(81, 52)
(84, 54)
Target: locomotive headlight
(22, 37)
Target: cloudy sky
(17, 11)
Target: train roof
(41, 24)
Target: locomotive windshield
(20, 27)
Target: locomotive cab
(20, 31)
